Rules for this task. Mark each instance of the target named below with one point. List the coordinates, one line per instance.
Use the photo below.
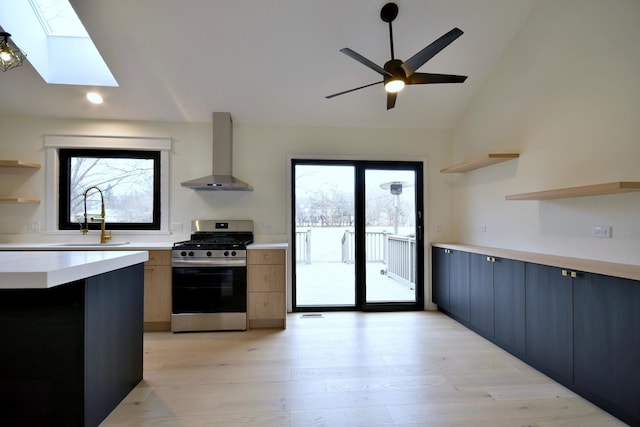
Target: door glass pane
(390, 228)
(324, 223)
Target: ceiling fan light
(394, 86)
(10, 55)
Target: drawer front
(266, 278)
(266, 256)
(266, 305)
(159, 257)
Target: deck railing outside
(396, 251)
(401, 261)
(303, 246)
(376, 246)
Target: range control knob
(233, 253)
(190, 253)
(208, 253)
(183, 253)
(226, 253)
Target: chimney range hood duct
(221, 178)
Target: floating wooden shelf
(18, 200)
(586, 190)
(18, 164)
(480, 162)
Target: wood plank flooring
(346, 369)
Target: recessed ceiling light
(94, 98)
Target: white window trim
(52, 143)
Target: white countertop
(268, 246)
(80, 246)
(47, 269)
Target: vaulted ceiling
(273, 61)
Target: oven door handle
(207, 263)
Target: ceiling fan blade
(391, 99)
(416, 61)
(351, 90)
(361, 59)
(428, 78)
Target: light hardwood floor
(346, 369)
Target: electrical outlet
(602, 231)
(176, 226)
(267, 227)
(34, 227)
(483, 228)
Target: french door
(358, 235)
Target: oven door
(210, 289)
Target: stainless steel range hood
(221, 178)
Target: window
(121, 157)
(127, 181)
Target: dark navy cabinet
(549, 320)
(450, 282)
(481, 293)
(441, 267)
(607, 342)
(459, 285)
(509, 305)
(580, 328)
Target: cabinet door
(157, 294)
(509, 298)
(267, 305)
(607, 341)
(266, 277)
(266, 256)
(440, 277)
(549, 320)
(481, 293)
(459, 285)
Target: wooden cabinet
(157, 291)
(266, 281)
(606, 339)
(549, 320)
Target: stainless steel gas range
(209, 273)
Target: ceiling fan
(395, 73)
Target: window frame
(53, 143)
(64, 179)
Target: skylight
(55, 41)
(58, 18)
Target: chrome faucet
(105, 236)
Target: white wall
(566, 96)
(260, 158)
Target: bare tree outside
(126, 183)
(329, 203)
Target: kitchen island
(71, 324)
